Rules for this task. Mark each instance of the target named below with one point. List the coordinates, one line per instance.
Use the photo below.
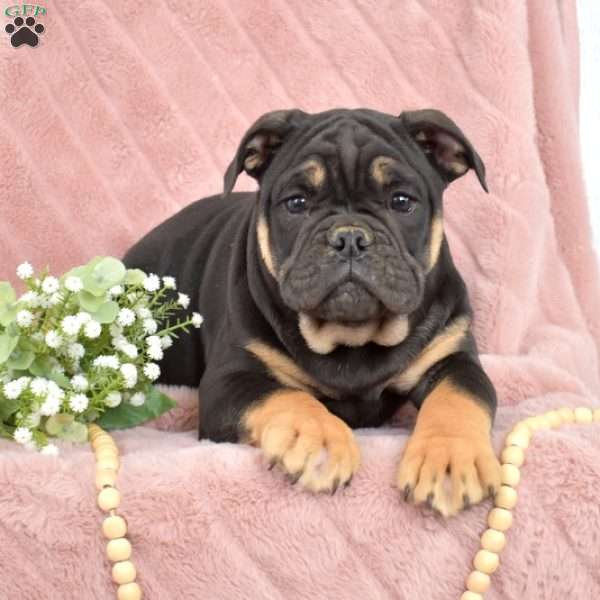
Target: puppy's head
(350, 206)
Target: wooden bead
(513, 455)
(493, 540)
(518, 438)
(583, 415)
(597, 414)
(105, 477)
(566, 415)
(109, 498)
(471, 596)
(105, 446)
(533, 423)
(123, 572)
(506, 497)
(553, 418)
(114, 527)
(486, 561)
(118, 549)
(131, 591)
(478, 582)
(500, 519)
(108, 463)
(511, 475)
(106, 452)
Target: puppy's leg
(294, 430)
(449, 462)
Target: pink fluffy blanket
(128, 110)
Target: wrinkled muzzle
(351, 270)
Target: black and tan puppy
(330, 298)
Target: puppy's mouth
(349, 303)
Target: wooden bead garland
(114, 527)
(493, 540)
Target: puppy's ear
(445, 145)
(259, 145)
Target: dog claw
(466, 501)
(406, 492)
(336, 485)
(349, 481)
(293, 479)
(429, 500)
(492, 491)
(272, 463)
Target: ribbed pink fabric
(127, 111)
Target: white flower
(151, 371)
(129, 350)
(55, 299)
(76, 351)
(78, 402)
(24, 318)
(118, 342)
(33, 420)
(30, 298)
(107, 361)
(54, 391)
(197, 319)
(24, 381)
(130, 374)
(79, 383)
(70, 325)
(49, 450)
(13, 389)
(155, 352)
(169, 283)
(125, 317)
(50, 285)
(22, 435)
(151, 283)
(166, 342)
(50, 406)
(113, 399)
(83, 317)
(74, 284)
(24, 271)
(153, 341)
(137, 399)
(183, 300)
(39, 387)
(115, 290)
(150, 326)
(143, 312)
(92, 329)
(53, 339)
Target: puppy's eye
(403, 203)
(296, 204)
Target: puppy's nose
(349, 240)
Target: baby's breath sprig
(85, 347)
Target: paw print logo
(24, 32)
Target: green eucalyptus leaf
(106, 313)
(8, 408)
(8, 301)
(20, 359)
(126, 415)
(7, 345)
(89, 302)
(135, 277)
(41, 366)
(76, 272)
(106, 273)
(59, 378)
(76, 432)
(56, 424)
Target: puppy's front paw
(447, 472)
(312, 446)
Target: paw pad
(24, 32)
